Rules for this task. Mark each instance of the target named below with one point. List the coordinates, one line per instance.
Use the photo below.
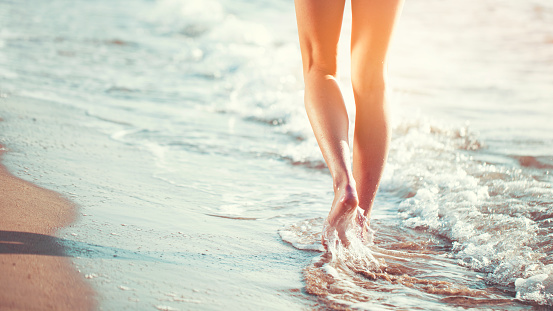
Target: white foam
(305, 235)
(489, 219)
(538, 288)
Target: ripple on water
(401, 260)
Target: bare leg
(319, 23)
(372, 25)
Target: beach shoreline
(178, 130)
(36, 272)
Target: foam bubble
(538, 288)
(476, 205)
(305, 235)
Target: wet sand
(35, 272)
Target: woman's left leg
(319, 24)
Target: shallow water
(179, 130)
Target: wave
(443, 189)
(362, 274)
(476, 205)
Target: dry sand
(35, 274)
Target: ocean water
(178, 128)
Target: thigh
(319, 24)
(372, 25)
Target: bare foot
(342, 214)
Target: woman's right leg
(372, 25)
(319, 24)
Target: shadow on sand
(16, 242)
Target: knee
(319, 67)
(318, 62)
(369, 79)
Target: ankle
(347, 194)
(347, 183)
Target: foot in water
(365, 233)
(344, 213)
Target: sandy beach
(178, 129)
(36, 274)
